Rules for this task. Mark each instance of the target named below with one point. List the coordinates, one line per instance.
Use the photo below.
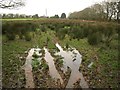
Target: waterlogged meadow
(52, 53)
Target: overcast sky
(52, 6)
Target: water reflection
(28, 70)
(72, 59)
(52, 69)
(28, 67)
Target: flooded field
(71, 59)
(59, 54)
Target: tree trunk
(110, 18)
(117, 16)
(107, 12)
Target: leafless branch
(10, 4)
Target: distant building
(44, 17)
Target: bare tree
(118, 11)
(10, 4)
(111, 8)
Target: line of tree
(10, 15)
(100, 11)
(11, 4)
(63, 16)
(56, 16)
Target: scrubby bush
(94, 39)
(21, 28)
(60, 33)
(76, 32)
(21, 36)
(74, 28)
(28, 36)
(10, 36)
(43, 28)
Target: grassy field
(102, 74)
(13, 58)
(19, 19)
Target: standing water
(28, 70)
(28, 67)
(52, 69)
(73, 60)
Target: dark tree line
(63, 15)
(10, 15)
(16, 16)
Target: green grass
(20, 19)
(16, 19)
(82, 46)
(42, 39)
(104, 69)
(108, 59)
(13, 75)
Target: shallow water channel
(28, 70)
(71, 58)
(52, 69)
(28, 67)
